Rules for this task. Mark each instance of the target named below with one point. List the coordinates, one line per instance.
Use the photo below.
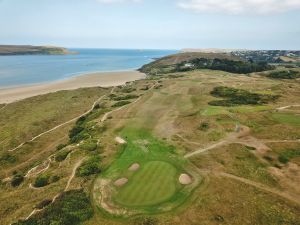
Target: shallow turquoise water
(31, 69)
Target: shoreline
(98, 79)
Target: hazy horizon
(144, 24)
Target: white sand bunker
(185, 179)
(120, 140)
(134, 167)
(121, 182)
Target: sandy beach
(103, 79)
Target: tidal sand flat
(103, 79)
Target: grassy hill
(32, 50)
(198, 60)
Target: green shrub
(284, 74)
(89, 167)
(236, 96)
(61, 146)
(43, 204)
(90, 145)
(70, 208)
(121, 103)
(127, 97)
(204, 126)
(283, 159)
(287, 155)
(8, 158)
(17, 180)
(128, 89)
(54, 179)
(62, 155)
(78, 133)
(97, 106)
(41, 181)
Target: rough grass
(287, 118)
(153, 184)
(23, 120)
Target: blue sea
(32, 69)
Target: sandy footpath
(103, 79)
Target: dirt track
(231, 138)
(73, 173)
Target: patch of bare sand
(134, 167)
(121, 182)
(185, 179)
(120, 140)
(288, 177)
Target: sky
(152, 24)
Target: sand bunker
(185, 179)
(121, 182)
(134, 167)
(120, 140)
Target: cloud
(240, 6)
(117, 1)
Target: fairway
(154, 183)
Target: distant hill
(32, 50)
(211, 50)
(198, 60)
(270, 56)
(170, 63)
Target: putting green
(154, 183)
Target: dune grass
(20, 121)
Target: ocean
(33, 69)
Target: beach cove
(101, 79)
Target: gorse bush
(42, 181)
(121, 103)
(236, 96)
(89, 167)
(89, 145)
(17, 180)
(284, 74)
(127, 97)
(286, 156)
(8, 158)
(61, 146)
(62, 155)
(70, 208)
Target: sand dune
(105, 79)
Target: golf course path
(292, 198)
(281, 141)
(240, 132)
(60, 125)
(34, 171)
(286, 107)
(73, 173)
